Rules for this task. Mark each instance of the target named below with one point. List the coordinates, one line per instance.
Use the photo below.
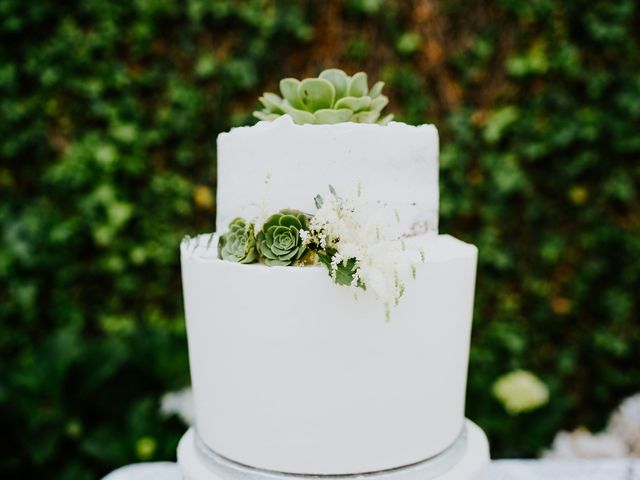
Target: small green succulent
(279, 241)
(332, 97)
(238, 244)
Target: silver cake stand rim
(427, 469)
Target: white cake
(292, 373)
(276, 165)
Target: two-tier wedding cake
(328, 322)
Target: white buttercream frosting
(274, 165)
(292, 374)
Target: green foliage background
(109, 112)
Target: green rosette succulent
(279, 241)
(238, 244)
(332, 97)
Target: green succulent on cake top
(332, 97)
(279, 241)
(238, 244)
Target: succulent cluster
(332, 97)
(278, 243)
(238, 244)
(339, 236)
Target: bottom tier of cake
(466, 459)
(293, 374)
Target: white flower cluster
(520, 391)
(179, 403)
(354, 233)
(581, 443)
(620, 439)
(625, 423)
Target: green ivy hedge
(108, 117)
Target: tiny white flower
(335, 261)
(179, 403)
(304, 236)
(356, 276)
(322, 240)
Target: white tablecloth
(499, 470)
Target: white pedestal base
(467, 459)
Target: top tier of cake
(275, 165)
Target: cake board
(466, 459)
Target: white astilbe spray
(621, 438)
(625, 423)
(357, 233)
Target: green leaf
(376, 89)
(355, 104)
(358, 85)
(386, 119)
(221, 244)
(344, 272)
(317, 93)
(379, 103)
(272, 102)
(290, 220)
(338, 79)
(329, 116)
(276, 263)
(299, 116)
(365, 117)
(290, 89)
(268, 117)
(498, 123)
(409, 42)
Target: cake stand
(466, 459)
